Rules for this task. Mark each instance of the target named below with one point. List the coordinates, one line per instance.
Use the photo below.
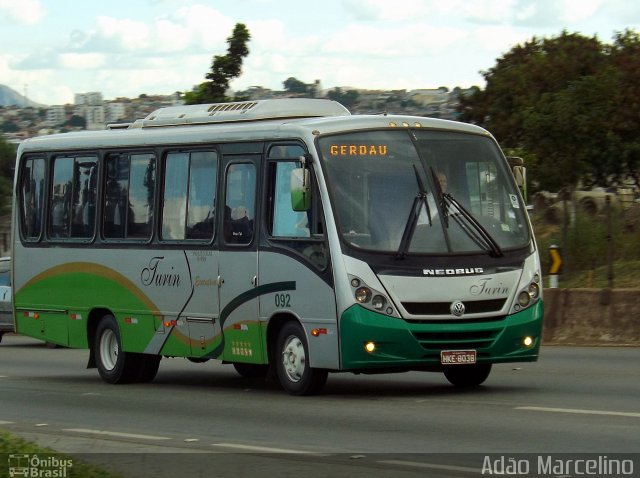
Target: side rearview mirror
(300, 190)
(519, 174)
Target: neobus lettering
(453, 272)
(358, 150)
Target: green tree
(569, 102)
(625, 60)
(519, 79)
(77, 122)
(223, 69)
(293, 85)
(347, 98)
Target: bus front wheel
(294, 373)
(467, 375)
(114, 365)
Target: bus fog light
(527, 341)
(378, 302)
(524, 298)
(370, 347)
(363, 295)
(534, 291)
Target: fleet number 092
(283, 300)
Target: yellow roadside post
(555, 266)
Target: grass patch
(626, 275)
(12, 445)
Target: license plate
(457, 357)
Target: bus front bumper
(398, 344)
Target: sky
(52, 49)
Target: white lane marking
(114, 434)
(263, 449)
(578, 411)
(2, 422)
(430, 466)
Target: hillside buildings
(90, 111)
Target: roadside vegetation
(12, 445)
(584, 242)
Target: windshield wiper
(412, 222)
(477, 232)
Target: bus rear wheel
(294, 373)
(114, 365)
(467, 376)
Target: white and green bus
(286, 237)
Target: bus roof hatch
(242, 111)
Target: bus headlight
(378, 302)
(529, 295)
(524, 298)
(371, 298)
(363, 295)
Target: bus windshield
(423, 192)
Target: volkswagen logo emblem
(457, 308)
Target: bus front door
(241, 334)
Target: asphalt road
(574, 400)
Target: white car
(6, 308)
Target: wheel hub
(293, 358)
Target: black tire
(251, 370)
(148, 367)
(114, 365)
(294, 373)
(1, 334)
(467, 376)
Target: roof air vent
(244, 111)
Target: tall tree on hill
(294, 85)
(223, 69)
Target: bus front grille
(457, 340)
(444, 308)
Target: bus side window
(117, 169)
(32, 198)
(301, 231)
(189, 194)
(287, 222)
(84, 197)
(239, 215)
(73, 197)
(129, 196)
